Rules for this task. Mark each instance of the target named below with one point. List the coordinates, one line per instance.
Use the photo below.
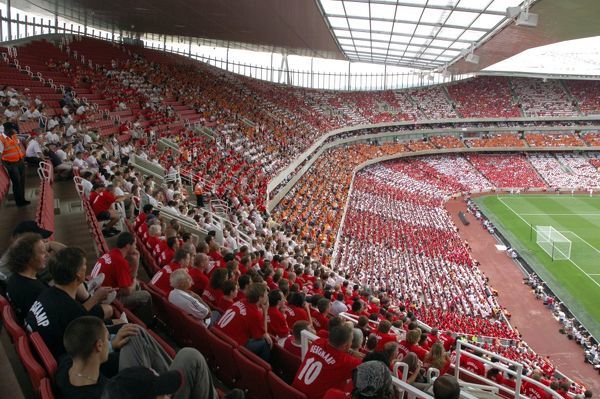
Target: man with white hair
(34, 153)
(184, 298)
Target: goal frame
(553, 242)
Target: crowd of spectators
(538, 97)
(503, 140)
(566, 171)
(394, 222)
(507, 170)
(484, 97)
(554, 140)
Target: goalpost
(556, 245)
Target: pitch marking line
(560, 214)
(527, 223)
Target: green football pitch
(577, 280)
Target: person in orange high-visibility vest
(12, 157)
(199, 195)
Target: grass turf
(575, 281)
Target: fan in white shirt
(185, 299)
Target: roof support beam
(403, 21)
(432, 6)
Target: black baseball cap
(30, 226)
(142, 383)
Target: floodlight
(472, 58)
(527, 19)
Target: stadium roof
(420, 34)
(414, 33)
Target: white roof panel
(424, 28)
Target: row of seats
(39, 364)
(4, 184)
(45, 209)
(234, 365)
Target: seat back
(44, 354)
(226, 368)
(46, 389)
(200, 340)
(284, 363)
(168, 348)
(179, 322)
(12, 326)
(281, 389)
(35, 371)
(253, 374)
(3, 302)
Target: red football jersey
(276, 323)
(115, 268)
(162, 279)
(323, 367)
(242, 321)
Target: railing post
(457, 361)
(8, 19)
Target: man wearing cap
(12, 159)
(370, 380)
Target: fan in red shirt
(533, 391)
(297, 309)
(102, 202)
(448, 339)
(383, 335)
(167, 250)
(230, 290)
(245, 321)
(162, 279)
(327, 363)
(276, 322)
(293, 343)
(153, 241)
(141, 218)
(472, 364)
(319, 315)
(432, 338)
(120, 267)
(198, 273)
(213, 292)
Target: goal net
(556, 245)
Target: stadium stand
(232, 135)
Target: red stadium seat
(281, 389)
(46, 389)
(3, 302)
(284, 363)
(35, 371)
(199, 333)
(253, 374)
(226, 368)
(168, 348)
(12, 326)
(43, 353)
